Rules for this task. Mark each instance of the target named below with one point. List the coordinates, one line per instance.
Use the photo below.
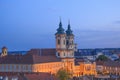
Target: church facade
(49, 60)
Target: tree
(63, 74)
(102, 58)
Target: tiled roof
(112, 64)
(108, 63)
(99, 62)
(33, 56)
(29, 76)
(44, 55)
(40, 76)
(77, 61)
(42, 52)
(11, 75)
(45, 59)
(16, 59)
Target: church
(48, 60)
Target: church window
(14, 67)
(72, 42)
(64, 54)
(2, 67)
(64, 42)
(58, 54)
(72, 54)
(10, 67)
(19, 67)
(6, 67)
(58, 41)
(67, 42)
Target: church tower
(65, 47)
(70, 41)
(60, 41)
(4, 51)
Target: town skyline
(32, 24)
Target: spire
(60, 30)
(60, 24)
(69, 25)
(69, 31)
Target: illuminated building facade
(48, 60)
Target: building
(48, 60)
(108, 67)
(84, 67)
(111, 67)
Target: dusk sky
(26, 24)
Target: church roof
(4, 47)
(69, 31)
(16, 59)
(60, 30)
(32, 57)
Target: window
(7, 67)
(19, 67)
(64, 54)
(58, 54)
(14, 67)
(64, 42)
(58, 41)
(71, 65)
(72, 42)
(2, 67)
(10, 67)
(67, 42)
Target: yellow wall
(85, 69)
(51, 67)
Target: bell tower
(4, 51)
(60, 41)
(65, 47)
(70, 41)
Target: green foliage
(102, 58)
(63, 74)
